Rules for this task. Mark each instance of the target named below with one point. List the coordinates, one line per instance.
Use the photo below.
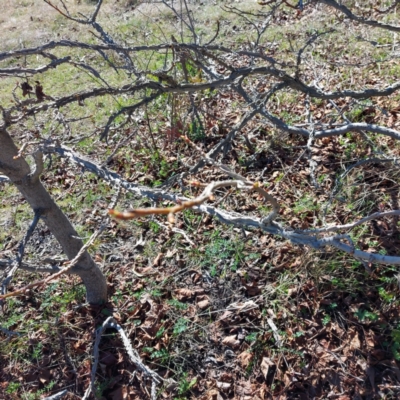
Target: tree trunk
(20, 174)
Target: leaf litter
(236, 316)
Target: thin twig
(132, 353)
(65, 270)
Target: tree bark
(28, 183)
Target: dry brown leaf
(171, 253)
(223, 385)
(183, 294)
(355, 342)
(245, 359)
(245, 390)
(44, 376)
(266, 363)
(242, 307)
(203, 304)
(157, 260)
(26, 88)
(231, 341)
(214, 395)
(39, 91)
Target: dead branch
(64, 270)
(57, 396)
(6, 264)
(33, 71)
(20, 255)
(133, 355)
(375, 24)
(298, 237)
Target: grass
(312, 297)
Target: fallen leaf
(266, 363)
(171, 253)
(223, 385)
(157, 260)
(231, 341)
(245, 359)
(183, 294)
(203, 304)
(214, 395)
(44, 376)
(355, 341)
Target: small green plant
(37, 351)
(180, 326)
(177, 304)
(196, 131)
(162, 355)
(117, 297)
(12, 387)
(326, 319)
(63, 298)
(160, 332)
(220, 249)
(13, 320)
(363, 315)
(185, 385)
(37, 395)
(165, 167)
(252, 337)
(213, 270)
(154, 226)
(100, 387)
(156, 293)
(395, 346)
(385, 296)
(305, 204)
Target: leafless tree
(252, 72)
(178, 71)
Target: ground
(226, 312)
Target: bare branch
(33, 71)
(133, 355)
(57, 396)
(65, 270)
(352, 225)
(341, 130)
(5, 264)
(21, 250)
(375, 24)
(8, 332)
(297, 237)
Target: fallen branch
(298, 237)
(65, 270)
(15, 264)
(132, 353)
(336, 228)
(5, 264)
(57, 396)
